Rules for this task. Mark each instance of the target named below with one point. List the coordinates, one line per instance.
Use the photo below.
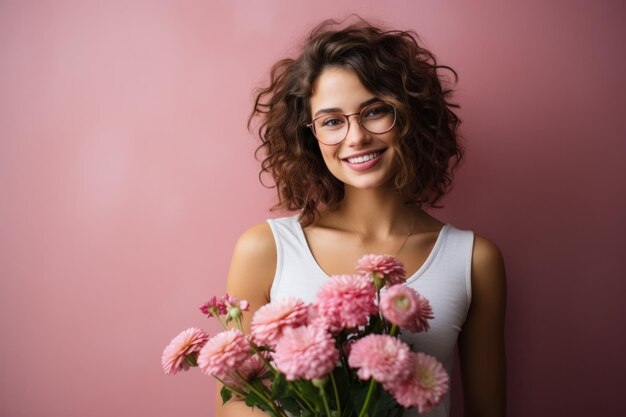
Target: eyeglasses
(332, 128)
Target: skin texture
(374, 210)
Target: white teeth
(363, 158)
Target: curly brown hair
(390, 64)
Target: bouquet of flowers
(340, 356)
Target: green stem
(301, 396)
(235, 390)
(221, 322)
(394, 330)
(337, 402)
(262, 396)
(265, 361)
(370, 391)
(325, 400)
(239, 325)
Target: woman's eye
(331, 122)
(375, 112)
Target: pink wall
(126, 175)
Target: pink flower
(223, 305)
(307, 352)
(232, 302)
(382, 357)
(406, 308)
(270, 320)
(425, 386)
(186, 343)
(214, 307)
(346, 301)
(386, 267)
(224, 353)
(253, 367)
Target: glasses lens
(331, 129)
(378, 117)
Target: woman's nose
(356, 133)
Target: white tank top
(444, 279)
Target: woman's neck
(378, 213)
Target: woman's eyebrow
(334, 110)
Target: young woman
(359, 135)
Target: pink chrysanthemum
(346, 301)
(186, 343)
(307, 352)
(270, 320)
(253, 367)
(382, 357)
(314, 318)
(386, 267)
(224, 353)
(406, 308)
(425, 386)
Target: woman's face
(339, 90)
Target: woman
(359, 135)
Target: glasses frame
(347, 116)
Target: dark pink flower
(307, 352)
(224, 353)
(425, 386)
(214, 307)
(346, 301)
(382, 357)
(406, 308)
(386, 267)
(270, 320)
(186, 343)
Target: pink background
(127, 173)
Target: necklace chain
(406, 238)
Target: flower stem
(394, 330)
(261, 395)
(221, 322)
(325, 400)
(301, 396)
(235, 390)
(337, 402)
(370, 391)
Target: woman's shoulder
(486, 253)
(256, 242)
(488, 271)
(253, 264)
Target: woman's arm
(250, 278)
(481, 343)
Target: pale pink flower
(224, 353)
(382, 357)
(346, 301)
(315, 318)
(270, 320)
(214, 307)
(253, 367)
(186, 343)
(425, 386)
(406, 308)
(386, 267)
(307, 352)
(232, 302)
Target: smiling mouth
(364, 158)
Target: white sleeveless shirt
(444, 279)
